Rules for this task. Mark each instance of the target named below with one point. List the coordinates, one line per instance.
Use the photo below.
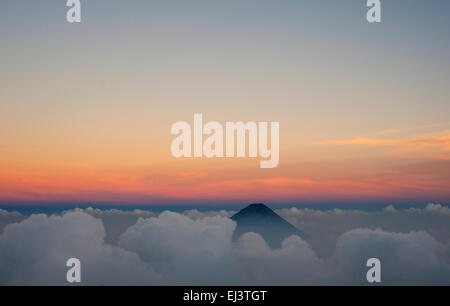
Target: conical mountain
(260, 219)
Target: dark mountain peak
(260, 219)
(256, 206)
(255, 209)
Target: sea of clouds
(196, 248)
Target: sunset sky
(86, 109)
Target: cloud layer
(196, 248)
(35, 251)
(325, 227)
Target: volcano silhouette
(260, 219)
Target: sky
(86, 109)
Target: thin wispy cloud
(439, 140)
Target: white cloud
(35, 251)
(414, 258)
(197, 248)
(201, 252)
(7, 217)
(438, 208)
(185, 250)
(293, 264)
(324, 227)
(115, 221)
(195, 214)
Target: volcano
(260, 219)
